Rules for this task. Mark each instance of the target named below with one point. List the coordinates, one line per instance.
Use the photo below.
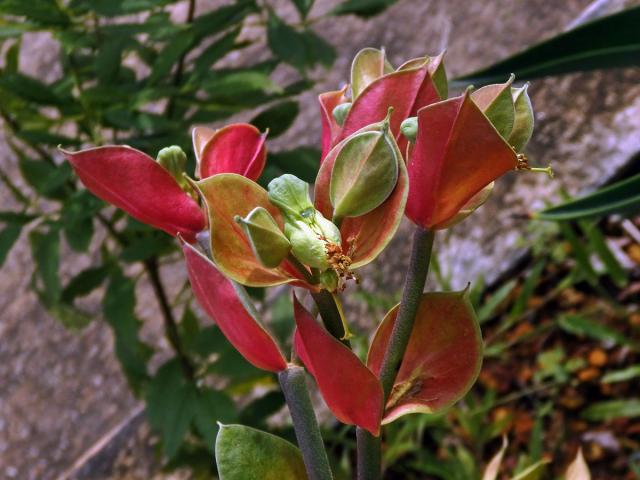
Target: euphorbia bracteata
(244, 217)
(152, 191)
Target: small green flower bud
(268, 243)
(340, 112)
(290, 195)
(409, 128)
(365, 172)
(306, 228)
(174, 161)
(524, 120)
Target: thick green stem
(411, 295)
(369, 454)
(330, 315)
(293, 383)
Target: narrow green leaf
(45, 178)
(598, 244)
(612, 409)
(623, 375)
(179, 45)
(84, 283)
(118, 306)
(362, 8)
(277, 118)
(583, 326)
(579, 252)
(608, 42)
(211, 407)
(622, 197)
(244, 453)
(171, 404)
(487, 310)
(45, 249)
(8, 237)
(71, 317)
(303, 7)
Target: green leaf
(44, 12)
(77, 219)
(113, 8)
(157, 244)
(362, 8)
(488, 308)
(8, 237)
(223, 18)
(608, 42)
(303, 7)
(612, 409)
(211, 407)
(45, 249)
(303, 162)
(277, 118)
(171, 405)
(46, 179)
(19, 218)
(215, 52)
(244, 453)
(71, 317)
(302, 49)
(179, 45)
(579, 252)
(622, 197)
(31, 89)
(118, 306)
(585, 327)
(598, 244)
(84, 283)
(108, 58)
(255, 414)
(623, 375)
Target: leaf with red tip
(330, 128)
(443, 357)
(237, 148)
(133, 181)
(457, 153)
(351, 391)
(365, 236)
(227, 195)
(230, 308)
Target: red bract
(407, 89)
(134, 182)
(237, 148)
(227, 196)
(351, 391)
(228, 306)
(442, 359)
(457, 154)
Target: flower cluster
(393, 143)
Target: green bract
(305, 227)
(496, 102)
(174, 160)
(365, 172)
(523, 123)
(244, 453)
(368, 65)
(267, 240)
